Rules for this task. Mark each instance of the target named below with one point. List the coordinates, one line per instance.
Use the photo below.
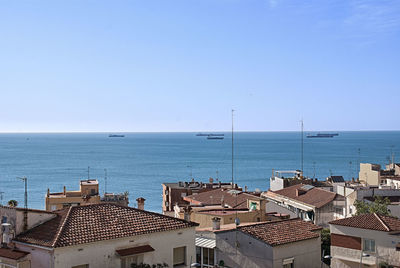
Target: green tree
(326, 244)
(379, 206)
(12, 203)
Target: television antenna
(25, 180)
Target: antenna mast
(302, 148)
(105, 181)
(25, 180)
(232, 148)
(88, 172)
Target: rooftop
(97, 222)
(371, 222)
(232, 198)
(89, 182)
(13, 254)
(309, 195)
(282, 232)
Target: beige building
(368, 240)
(106, 236)
(372, 174)
(226, 204)
(287, 243)
(174, 193)
(88, 193)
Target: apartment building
(368, 240)
(88, 193)
(103, 236)
(287, 243)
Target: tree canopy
(379, 206)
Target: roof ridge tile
(61, 227)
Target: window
(205, 257)
(288, 263)
(127, 262)
(81, 266)
(369, 245)
(179, 256)
(253, 205)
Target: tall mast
(302, 148)
(232, 148)
(105, 181)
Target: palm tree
(12, 203)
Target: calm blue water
(140, 162)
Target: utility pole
(88, 172)
(25, 180)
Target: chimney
(48, 192)
(299, 192)
(65, 190)
(5, 239)
(216, 223)
(352, 180)
(186, 213)
(211, 180)
(245, 188)
(140, 203)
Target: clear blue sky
(181, 65)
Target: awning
(13, 254)
(205, 242)
(134, 250)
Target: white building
(306, 202)
(107, 236)
(370, 239)
(287, 243)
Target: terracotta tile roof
(282, 232)
(315, 197)
(134, 250)
(13, 254)
(371, 222)
(215, 197)
(97, 222)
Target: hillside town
(298, 222)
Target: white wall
(306, 253)
(385, 245)
(40, 256)
(103, 254)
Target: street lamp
(326, 257)
(195, 265)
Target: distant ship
(323, 135)
(209, 134)
(215, 138)
(116, 136)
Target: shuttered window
(179, 256)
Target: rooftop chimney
(140, 203)
(5, 239)
(211, 180)
(299, 192)
(186, 213)
(216, 223)
(245, 188)
(48, 192)
(65, 190)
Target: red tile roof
(13, 254)
(215, 197)
(134, 250)
(371, 222)
(282, 232)
(97, 222)
(315, 197)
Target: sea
(140, 162)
